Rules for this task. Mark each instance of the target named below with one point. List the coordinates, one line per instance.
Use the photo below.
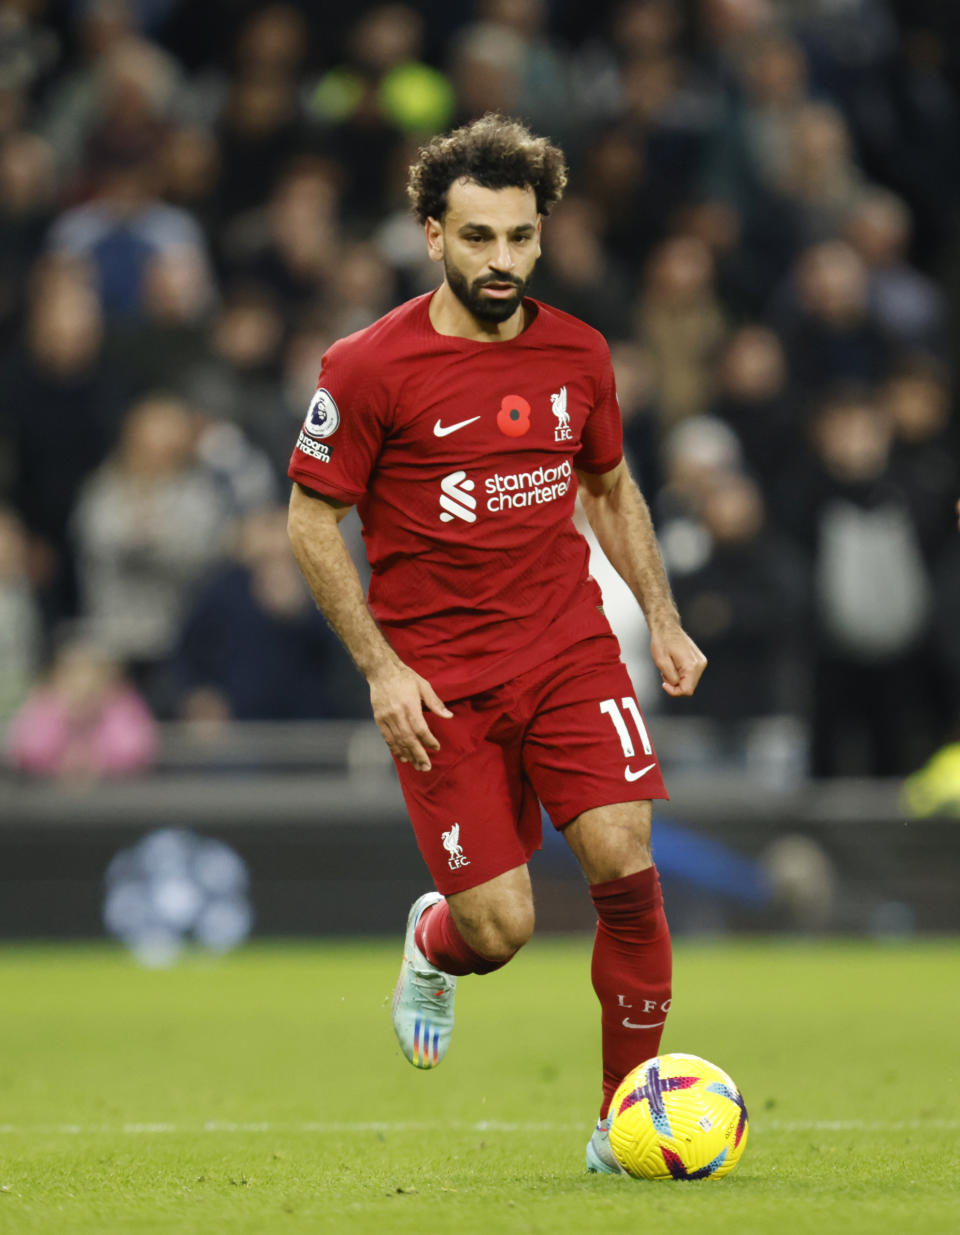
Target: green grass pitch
(265, 1094)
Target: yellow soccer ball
(678, 1117)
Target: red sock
(631, 972)
(442, 944)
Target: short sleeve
(343, 431)
(601, 442)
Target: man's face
(489, 242)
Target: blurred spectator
(632, 199)
(752, 398)
(514, 36)
(749, 160)
(925, 455)
(121, 230)
(21, 630)
(728, 28)
(909, 307)
(827, 328)
(677, 113)
(137, 89)
(746, 273)
(237, 379)
(274, 41)
(120, 79)
(576, 274)
(679, 317)
(254, 646)
(57, 414)
(745, 606)
(366, 104)
(148, 522)
(29, 51)
(83, 722)
(241, 470)
(639, 31)
(873, 596)
(361, 289)
(820, 182)
(154, 351)
(487, 70)
(27, 197)
(399, 237)
(913, 124)
(302, 358)
(696, 454)
(261, 128)
(187, 167)
(386, 73)
(292, 244)
(635, 371)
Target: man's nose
(503, 258)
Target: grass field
(265, 1093)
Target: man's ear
(433, 230)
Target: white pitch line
(216, 1126)
(857, 1125)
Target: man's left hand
(678, 658)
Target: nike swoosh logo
(628, 774)
(629, 1024)
(440, 430)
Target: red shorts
(568, 732)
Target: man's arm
(621, 521)
(397, 694)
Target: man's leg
(632, 959)
(476, 930)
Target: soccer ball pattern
(678, 1117)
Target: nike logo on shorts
(629, 774)
(440, 430)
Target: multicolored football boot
(423, 999)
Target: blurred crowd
(763, 218)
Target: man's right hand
(398, 697)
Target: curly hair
(496, 152)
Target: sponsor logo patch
(503, 491)
(456, 498)
(316, 450)
(323, 415)
(516, 490)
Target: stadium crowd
(763, 218)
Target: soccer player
(462, 425)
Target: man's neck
(450, 316)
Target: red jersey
(460, 458)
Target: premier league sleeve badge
(323, 415)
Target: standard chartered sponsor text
(519, 489)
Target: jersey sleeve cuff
(597, 467)
(320, 484)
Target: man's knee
(497, 918)
(503, 934)
(498, 932)
(612, 842)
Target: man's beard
(484, 308)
